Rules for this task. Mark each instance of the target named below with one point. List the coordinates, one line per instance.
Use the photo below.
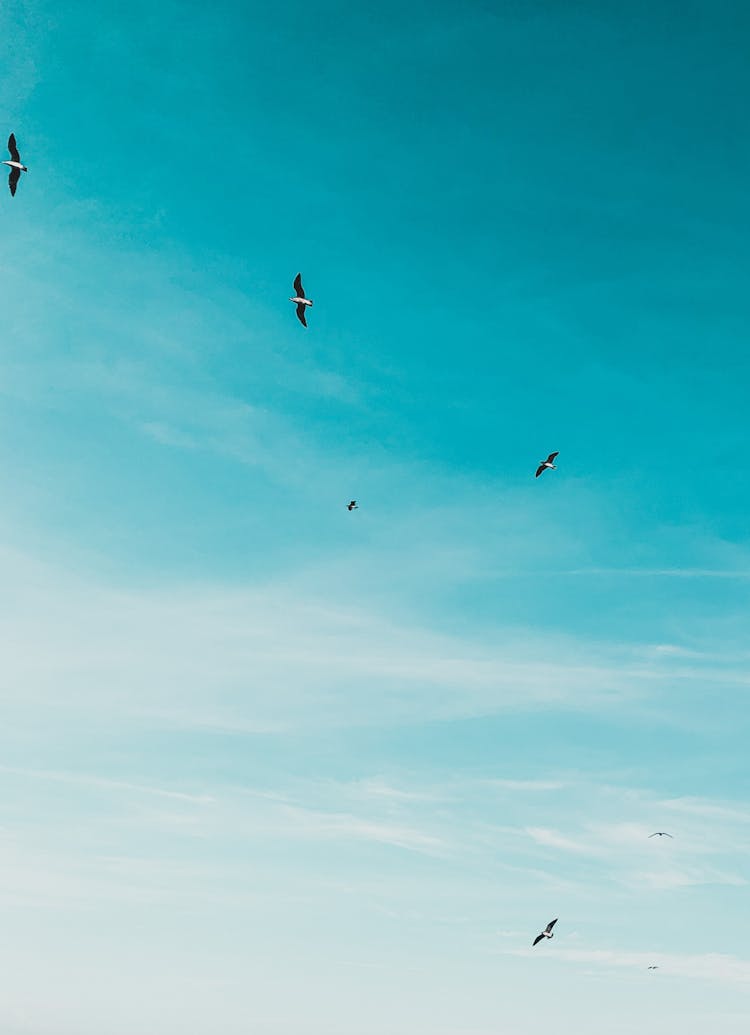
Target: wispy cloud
(275, 658)
(670, 878)
(554, 839)
(314, 823)
(526, 785)
(102, 783)
(698, 966)
(707, 809)
(378, 788)
(654, 573)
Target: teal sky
(271, 767)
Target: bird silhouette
(547, 464)
(16, 168)
(299, 298)
(546, 933)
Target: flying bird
(660, 833)
(546, 933)
(299, 298)
(548, 463)
(16, 168)
(652, 968)
(352, 505)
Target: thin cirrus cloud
(345, 826)
(675, 573)
(674, 879)
(321, 659)
(103, 783)
(693, 966)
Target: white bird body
(16, 165)
(549, 466)
(301, 301)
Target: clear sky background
(271, 767)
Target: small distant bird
(352, 505)
(299, 298)
(546, 933)
(652, 968)
(548, 463)
(16, 168)
(660, 833)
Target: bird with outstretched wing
(301, 299)
(546, 933)
(546, 464)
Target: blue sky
(270, 766)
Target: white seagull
(352, 505)
(299, 298)
(548, 463)
(660, 833)
(16, 168)
(546, 933)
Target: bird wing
(539, 470)
(550, 925)
(13, 180)
(551, 457)
(536, 941)
(12, 148)
(353, 503)
(301, 314)
(298, 289)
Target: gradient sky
(269, 767)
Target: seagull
(546, 933)
(15, 165)
(548, 463)
(660, 833)
(299, 298)
(652, 968)
(352, 505)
